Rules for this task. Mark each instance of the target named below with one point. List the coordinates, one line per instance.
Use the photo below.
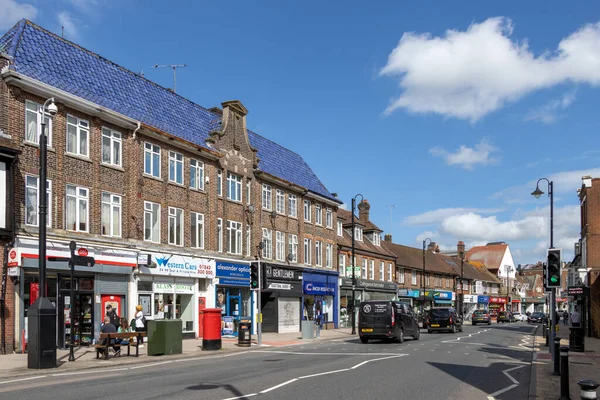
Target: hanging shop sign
(483, 299)
(176, 265)
(498, 300)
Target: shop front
(169, 286)
(364, 290)
(440, 298)
(320, 300)
(470, 304)
(281, 298)
(409, 296)
(483, 302)
(497, 304)
(233, 295)
(106, 282)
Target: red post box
(211, 339)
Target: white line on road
(151, 365)
(324, 373)
(377, 359)
(242, 397)
(90, 372)
(278, 386)
(24, 379)
(515, 382)
(319, 354)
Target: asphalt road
(482, 361)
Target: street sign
(85, 261)
(82, 252)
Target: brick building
(374, 264)
(173, 200)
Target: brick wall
(591, 232)
(9, 308)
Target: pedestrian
(107, 327)
(575, 318)
(566, 318)
(112, 314)
(140, 322)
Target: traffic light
(554, 268)
(545, 275)
(254, 278)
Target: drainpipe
(139, 125)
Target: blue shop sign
(233, 270)
(233, 282)
(438, 295)
(408, 293)
(483, 299)
(319, 284)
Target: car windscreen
(441, 313)
(537, 315)
(479, 312)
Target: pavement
(15, 365)
(582, 365)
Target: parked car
(520, 317)
(382, 319)
(444, 319)
(536, 317)
(481, 317)
(503, 316)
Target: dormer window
(340, 228)
(376, 239)
(358, 233)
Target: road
(479, 362)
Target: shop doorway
(235, 304)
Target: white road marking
(324, 373)
(377, 359)
(242, 397)
(278, 386)
(90, 372)
(210, 357)
(24, 379)
(319, 354)
(151, 365)
(515, 382)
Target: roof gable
(490, 255)
(47, 58)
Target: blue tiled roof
(45, 57)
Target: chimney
(460, 249)
(432, 246)
(363, 211)
(387, 237)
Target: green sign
(357, 271)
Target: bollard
(556, 356)
(544, 331)
(564, 373)
(546, 335)
(588, 388)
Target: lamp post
(354, 266)
(537, 193)
(508, 269)
(423, 277)
(461, 254)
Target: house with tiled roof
(175, 201)
(374, 265)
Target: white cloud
(424, 235)
(70, 24)
(550, 112)
(436, 216)
(468, 74)
(467, 157)
(84, 5)
(12, 12)
(476, 227)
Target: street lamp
(354, 266)
(423, 276)
(508, 269)
(461, 254)
(537, 193)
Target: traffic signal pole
(259, 304)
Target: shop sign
(470, 298)
(498, 300)
(319, 288)
(279, 286)
(278, 273)
(14, 271)
(233, 270)
(14, 258)
(408, 293)
(231, 282)
(357, 270)
(173, 287)
(577, 291)
(558, 299)
(483, 299)
(439, 295)
(176, 265)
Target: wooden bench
(107, 340)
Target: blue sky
(442, 116)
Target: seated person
(107, 327)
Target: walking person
(140, 322)
(566, 318)
(575, 318)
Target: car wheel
(400, 337)
(363, 339)
(473, 323)
(417, 335)
(490, 322)
(429, 331)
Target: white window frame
(248, 191)
(329, 218)
(234, 187)
(328, 255)
(307, 251)
(82, 128)
(220, 235)
(280, 246)
(381, 271)
(114, 142)
(372, 269)
(340, 228)
(318, 215)
(400, 276)
(293, 247)
(234, 237)
(196, 174)
(364, 270)
(267, 197)
(342, 264)
(152, 151)
(376, 239)
(292, 205)
(82, 194)
(176, 167)
(29, 114)
(35, 212)
(111, 203)
(176, 216)
(248, 241)
(150, 209)
(358, 233)
(280, 201)
(318, 253)
(220, 183)
(413, 277)
(267, 240)
(197, 229)
(307, 210)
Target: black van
(383, 319)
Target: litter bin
(308, 328)
(211, 339)
(245, 334)
(576, 339)
(165, 336)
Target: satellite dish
(251, 208)
(290, 257)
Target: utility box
(165, 336)
(308, 329)
(41, 349)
